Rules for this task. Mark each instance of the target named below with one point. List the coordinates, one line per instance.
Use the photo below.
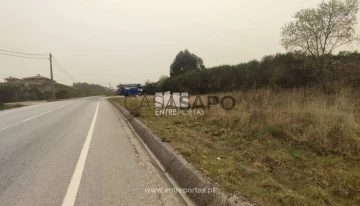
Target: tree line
(17, 92)
(310, 40)
(287, 70)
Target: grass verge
(9, 106)
(290, 147)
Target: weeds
(285, 147)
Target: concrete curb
(179, 169)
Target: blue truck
(130, 89)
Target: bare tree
(318, 32)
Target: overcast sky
(131, 41)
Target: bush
(290, 70)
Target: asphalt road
(75, 152)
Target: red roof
(11, 78)
(36, 77)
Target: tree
(318, 32)
(162, 82)
(185, 61)
(150, 87)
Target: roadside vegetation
(17, 92)
(279, 71)
(289, 147)
(293, 137)
(310, 39)
(9, 106)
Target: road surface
(75, 152)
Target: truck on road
(129, 89)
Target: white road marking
(36, 116)
(73, 188)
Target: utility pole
(52, 80)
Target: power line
(33, 56)
(22, 53)
(64, 71)
(58, 65)
(61, 70)
(22, 56)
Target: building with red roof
(11, 79)
(36, 80)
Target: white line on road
(73, 188)
(36, 116)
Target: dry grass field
(287, 147)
